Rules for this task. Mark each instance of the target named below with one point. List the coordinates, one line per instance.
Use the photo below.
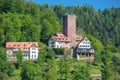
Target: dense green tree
(64, 70)
(5, 66)
(116, 64)
(19, 58)
(60, 11)
(81, 72)
(48, 64)
(51, 73)
(50, 24)
(3, 76)
(2, 37)
(112, 48)
(31, 71)
(98, 47)
(106, 64)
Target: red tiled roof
(21, 45)
(61, 37)
(78, 38)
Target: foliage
(5, 66)
(81, 71)
(98, 47)
(116, 62)
(50, 69)
(64, 70)
(50, 24)
(30, 71)
(3, 76)
(59, 51)
(19, 59)
(112, 48)
(106, 64)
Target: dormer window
(25, 48)
(18, 45)
(14, 45)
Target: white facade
(58, 44)
(54, 44)
(33, 53)
(30, 50)
(85, 46)
(28, 54)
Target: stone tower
(69, 25)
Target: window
(33, 51)
(52, 42)
(25, 55)
(33, 48)
(34, 56)
(25, 48)
(60, 42)
(9, 52)
(86, 39)
(15, 48)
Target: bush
(3, 76)
(59, 51)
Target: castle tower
(69, 25)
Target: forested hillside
(33, 22)
(26, 22)
(23, 20)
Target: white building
(29, 49)
(84, 47)
(59, 41)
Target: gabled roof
(82, 40)
(21, 45)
